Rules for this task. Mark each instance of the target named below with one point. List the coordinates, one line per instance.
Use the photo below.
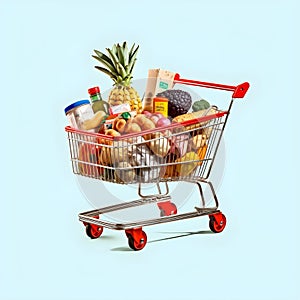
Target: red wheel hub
(137, 238)
(92, 230)
(217, 222)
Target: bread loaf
(118, 152)
(119, 125)
(159, 144)
(195, 115)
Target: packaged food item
(160, 105)
(117, 109)
(78, 112)
(159, 144)
(109, 121)
(98, 104)
(158, 81)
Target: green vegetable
(200, 105)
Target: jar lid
(76, 104)
(94, 90)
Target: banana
(185, 169)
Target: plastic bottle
(97, 102)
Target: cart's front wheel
(137, 238)
(217, 222)
(93, 231)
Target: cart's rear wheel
(93, 231)
(217, 222)
(137, 238)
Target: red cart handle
(239, 91)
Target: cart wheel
(217, 222)
(167, 208)
(137, 238)
(93, 231)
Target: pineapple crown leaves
(119, 62)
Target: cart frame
(137, 238)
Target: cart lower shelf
(137, 238)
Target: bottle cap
(94, 90)
(76, 104)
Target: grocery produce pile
(139, 140)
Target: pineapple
(119, 64)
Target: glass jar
(78, 112)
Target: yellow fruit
(201, 153)
(118, 65)
(125, 94)
(184, 169)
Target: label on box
(160, 105)
(163, 85)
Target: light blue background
(46, 63)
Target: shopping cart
(183, 151)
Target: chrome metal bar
(212, 190)
(201, 193)
(124, 205)
(160, 194)
(158, 188)
(122, 226)
(221, 134)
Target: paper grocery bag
(158, 81)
